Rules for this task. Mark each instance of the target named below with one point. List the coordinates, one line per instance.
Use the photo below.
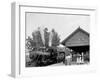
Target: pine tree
(55, 38)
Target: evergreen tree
(36, 40)
(55, 38)
(46, 36)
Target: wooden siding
(78, 39)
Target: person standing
(68, 57)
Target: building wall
(78, 39)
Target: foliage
(46, 36)
(36, 40)
(55, 39)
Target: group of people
(69, 58)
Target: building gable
(78, 38)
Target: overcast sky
(63, 24)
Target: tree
(55, 38)
(40, 38)
(46, 36)
(37, 39)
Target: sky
(63, 24)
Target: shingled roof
(78, 29)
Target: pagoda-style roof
(78, 38)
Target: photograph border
(16, 31)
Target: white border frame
(18, 41)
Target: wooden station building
(78, 43)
